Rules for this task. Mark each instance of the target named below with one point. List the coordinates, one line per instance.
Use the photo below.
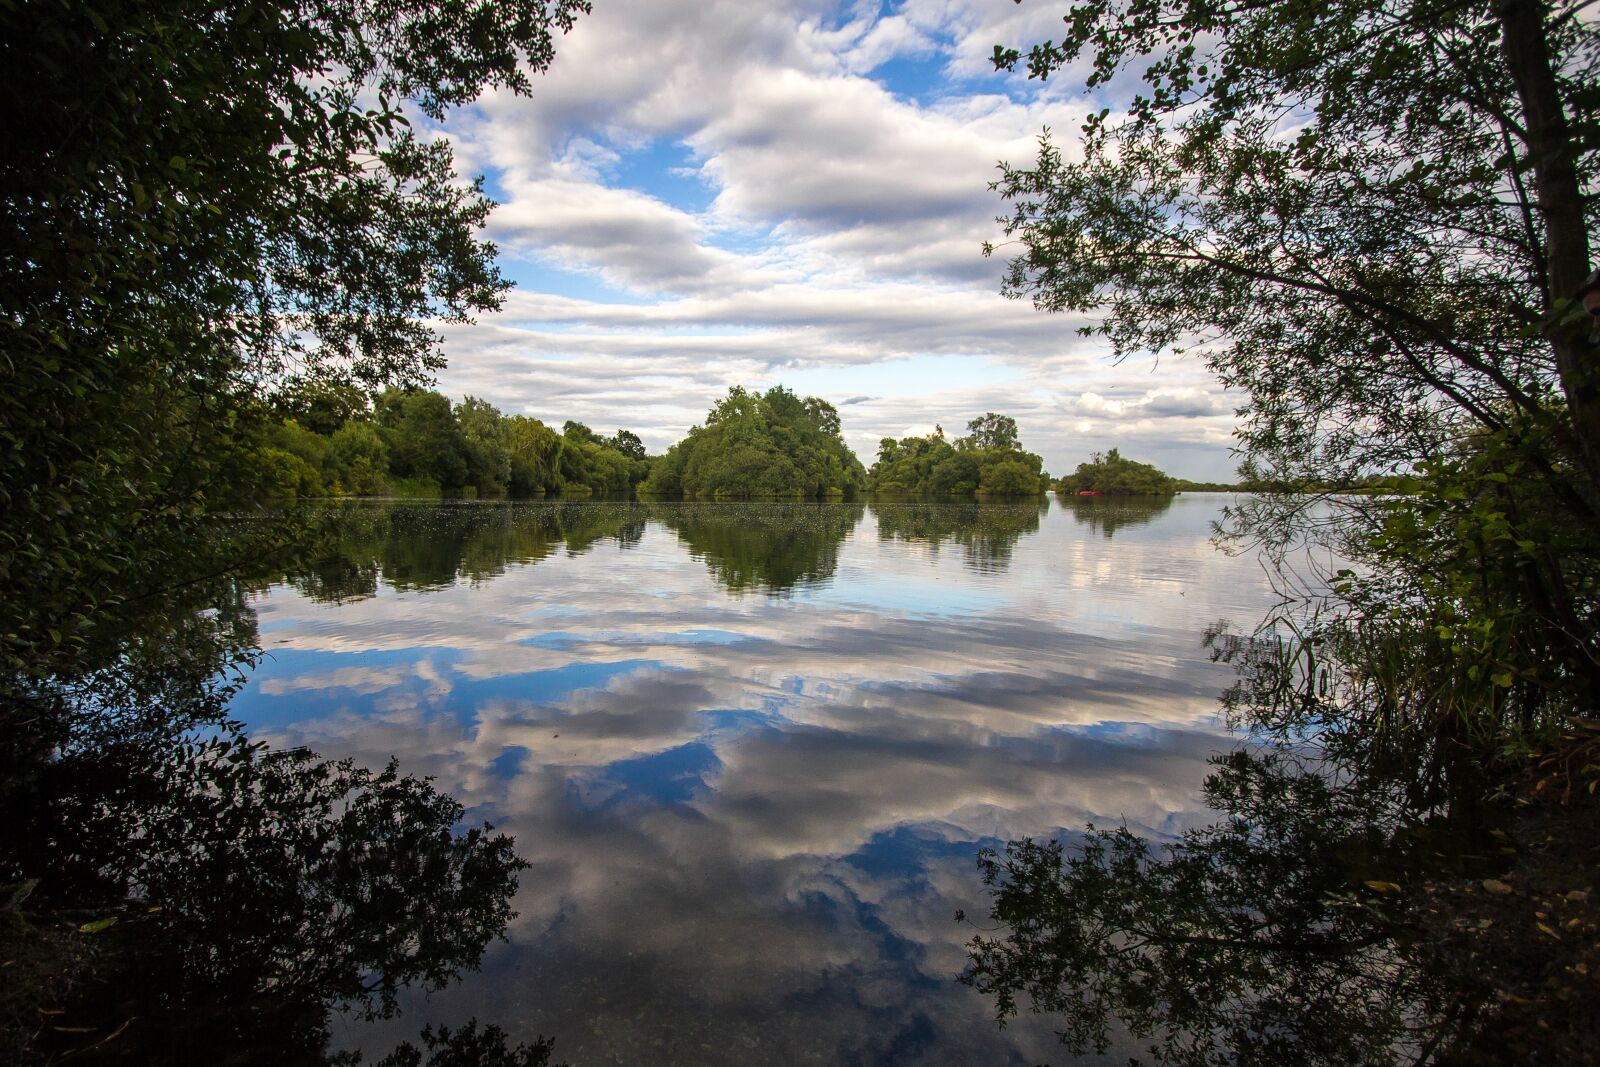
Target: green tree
(424, 441)
(993, 431)
(488, 448)
(1111, 473)
(1379, 211)
(534, 448)
(358, 458)
(627, 443)
(323, 405)
(205, 202)
(760, 445)
(990, 461)
(1370, 218)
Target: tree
(488, 446)
(760, 445)
(206, 202)
(1111, 473)
(1335, 200)
(628, 443)
(1370, 218)
(989, 462)
(993, 431)
(424, 441)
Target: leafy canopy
(760, 445)
(1113, 474)
(208, 203)
(1368, 215)
(988, 461)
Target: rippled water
(751, 750)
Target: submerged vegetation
(989, 461)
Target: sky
(707, 193)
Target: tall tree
(1371, 215)
(206, 199)
(1371, 218)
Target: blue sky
(703, 193)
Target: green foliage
(1431, 671)
(989, 462)
(772, 445)
(627, 443)
(1383, 280)
(417, 444)
(206, 206)
(1391, 288)
(358, 459)
(1113, 475)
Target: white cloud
(744, 200)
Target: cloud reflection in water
(751, 817)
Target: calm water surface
(750, 750)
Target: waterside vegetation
(416, 443)
(988, 462)
(1393, 288)
(760, 446)
(1111, 474)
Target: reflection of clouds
(750, 820)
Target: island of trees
(760, 446)
(1114, 475)
(989, 461)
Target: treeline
(772, 445)
(331, 440)
(989, 461)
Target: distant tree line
(772, 445)
(989, 461)
(331, 441)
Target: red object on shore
(1091, 492)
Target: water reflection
(769, 547)
(988, 532)
(1271, 936)
(749, 819)
(1108, 514)
(418, 548)
(187, 888)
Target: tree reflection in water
(771, 547)
(1266, 938)
(988, 531)
(1282, 933)
(193, 895)
(417, 547)
(1108, 514)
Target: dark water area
(751, 751)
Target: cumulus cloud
(741, 190)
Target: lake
(751, 750)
